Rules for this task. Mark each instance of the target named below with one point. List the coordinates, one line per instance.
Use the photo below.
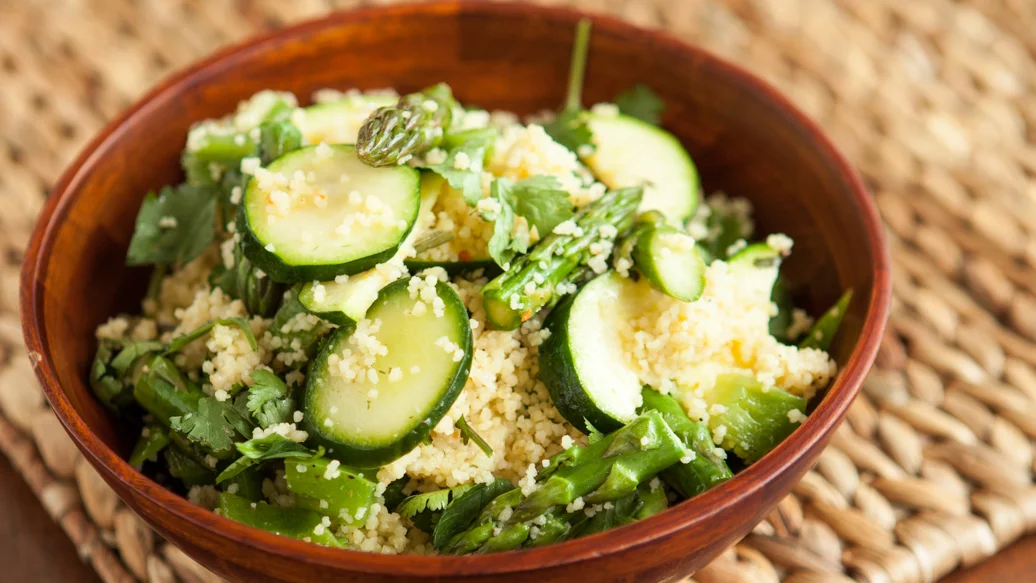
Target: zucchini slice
(338, 122)
(321, 212)
(582, 362)
(630, 152)
(345, 302)
(670, 260)
(419, 375)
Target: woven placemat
(932, 99)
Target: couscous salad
(403, 324)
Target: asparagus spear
(605, 471)
(706, 469)
(754, 419)
(560, 258)
(665, 255)
(825, 328)
(413, 126)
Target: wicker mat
(932, 99)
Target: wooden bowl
(745, 138)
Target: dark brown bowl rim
(818, 426)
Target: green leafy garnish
(641, 102)
(468, 434)
(394, 495)
(430, 501)
(539, 199)
(174, 226)
(213, 427)
(273, 446)
(466, 175)
(459, 515)
(183, 340)
(268, 399)
(570, 128)
(593, 435)
(111, 373)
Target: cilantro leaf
(571, 130)
(209, 427)
(466, 175)
(183, 340)
(502, 245)
(277, 138)
(268, 399)
(273, 446)
(174, 226)
(424, 509)
(468, 434)
(593, 434)
(641, 102)
(542, 201)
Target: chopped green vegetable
(468, 434)
(116, 365)
(394, 495)
(755, 420)
(187, 469)
(174, 226)
(641, 102)
(164, 392)
(460, 513)
(558, 259)
(296, 523)
(391, 135)
(259, 294)
(321, 485)
(822, 334)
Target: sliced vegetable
(345, 302)
(822, 334)
(583, 363)
(308, 223)
(559, 259)
(338, 122)
(324, 486)
(706, 469)
(753, 420)
(368, 416)
(295, 523)
(665, 255)
(630, 152)
(416, 124)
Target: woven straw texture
(932, 99)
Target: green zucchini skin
(455, 267)
(558, 373)
(373, 456)
(282, 271)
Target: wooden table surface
(32, 548)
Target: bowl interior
(743, 140)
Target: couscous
(395, 324)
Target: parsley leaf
(466, 175)
(174, 226)
(542, 201)
(468, 434)
(183, 340)
(431, 501)
(641, 102)
(273, 446)
(268, 399)
(593, 434)
(210, 427)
